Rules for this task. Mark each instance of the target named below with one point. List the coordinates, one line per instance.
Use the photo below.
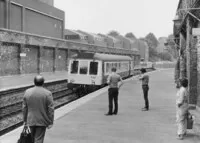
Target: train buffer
(83, 121)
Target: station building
(94, 38)
(143, 49)
(76, 36)
(32, 16)
(24, 25)
(187, 38)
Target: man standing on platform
(113, 91)
(38, 109)
(145, 88)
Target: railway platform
(17, 81)
(83, 121)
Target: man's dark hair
(113, 69)
(38, 80)
(184, 82)
(143, 70)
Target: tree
(152, 40)
(171, 46)
(130, 35)
(113, 33)
(165, 56)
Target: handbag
(189, 121)
(25, 136)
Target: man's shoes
(108, 114)
(114, 113)
(145, 109)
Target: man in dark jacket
(145, 87)
(38, 109)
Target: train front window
(83, 67)
(74, 67)
(93, 68)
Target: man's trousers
(38, 133)
(145, 89)
(113, 96)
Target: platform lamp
(177, 21)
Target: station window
(74, 67)
(93, 68)
(83, 67)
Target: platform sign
(22, 54)
(196, 31)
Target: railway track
(11, 113)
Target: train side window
(107, 67)
(83, 67)
(93, 68)
(74, 67)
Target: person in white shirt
(182, 108)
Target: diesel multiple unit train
(92, 69)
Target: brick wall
(61, 60)
(9, 62)
(29, 62)
(47, 60)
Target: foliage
(152, 40)
(114, 33)
(165, 56)
(171, 46)
(130, 35)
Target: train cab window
(93, 68)
(83, 67)
(74, 67)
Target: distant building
(94, 38)
(127, 42)
(143, 49)
(113, 41)
(161, 48)
(32, 16)
(75, 36)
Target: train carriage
(94, 68)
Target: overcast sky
(137, 16)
